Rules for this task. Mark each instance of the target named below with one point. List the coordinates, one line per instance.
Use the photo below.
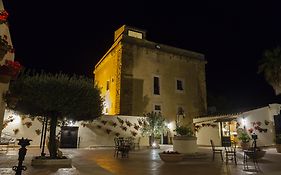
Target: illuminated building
(138, 76)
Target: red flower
(3, 16)
(11, 68)
(250, 130)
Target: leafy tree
(153, 125)
(270, 67)
(55, 96)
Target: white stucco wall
(260, 115)
(206, 133)
(90, 135)
(251, 117)
(4, 30)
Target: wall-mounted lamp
(244, 122)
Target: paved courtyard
(100, 161)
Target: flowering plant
(170, 152)
(10, 68)
(3, 16)
(5, 46)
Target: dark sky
(71, 36)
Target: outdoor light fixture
(169, 125)
(244, 122)
(155, 145)
(157, 46)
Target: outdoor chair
(216, 150)
(121, 146)
(230, 153)
(251, 153)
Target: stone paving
(100, 161)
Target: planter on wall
(185, 144)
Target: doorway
(69, 135)
(228, 132)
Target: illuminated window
(107, 85)
(135, 34)
(156, 86)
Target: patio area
(101, 161)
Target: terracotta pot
(245, 145)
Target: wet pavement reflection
(101, 161)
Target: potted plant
(3, 16)
(278, 143)
(5, 47)
(185, 141)
(9, 70)
(244, 138)
(153, 126)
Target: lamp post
(22, 152)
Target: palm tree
(270, 67)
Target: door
(225, 131)
(69, 135)
(277, 121)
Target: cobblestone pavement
(100, 161)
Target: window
(156, 86)
(107, 85)
(135, 34)
(180, 111)
(157, 108)
(179, 85)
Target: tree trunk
(52, 142)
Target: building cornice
(154, 46)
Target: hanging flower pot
(3, 17)
(5, 47)
(9, 70)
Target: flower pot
(5, 78)
(245, 145)
(185, 144)
(171, 157)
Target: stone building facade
(137, 76)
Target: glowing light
(170, 125)
(154, 145)
(17, 120)
(243, 121)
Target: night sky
(71, 36)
